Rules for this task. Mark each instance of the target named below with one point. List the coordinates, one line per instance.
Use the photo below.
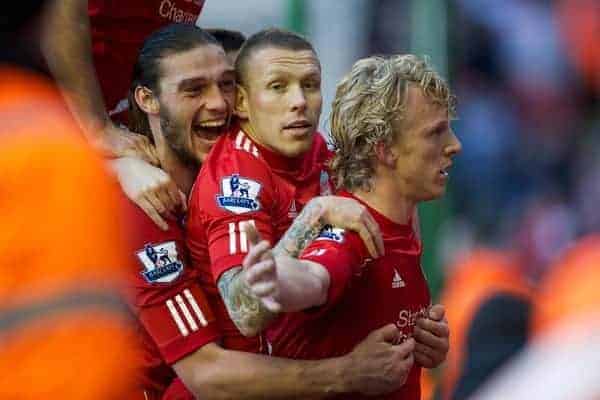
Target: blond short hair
(366, 101)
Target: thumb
(437, 312)
(388, 333)
(251, 233)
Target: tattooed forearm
(245, 310)
(303, 230)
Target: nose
(297, 99)
(215, 100)
(454, 146)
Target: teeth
(444, 173)
(211, 124)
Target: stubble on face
(174, 132)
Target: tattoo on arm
(245, 310)
(302, 232)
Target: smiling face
(424, 145)
(280, 101)
(197, 94)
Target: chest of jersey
(391, 289)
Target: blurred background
(527, 77)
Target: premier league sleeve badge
(161, 263)
(239, 194)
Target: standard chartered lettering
(169, 10)
(408, 318)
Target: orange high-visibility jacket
(63, 331)
(474, 280)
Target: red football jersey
(243, 181)
(364, 295)
(174, 316)
(119, 27)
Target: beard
(174, 132)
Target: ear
(241, 102)
(146, 100)
(385, 155)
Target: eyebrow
(437, 125)
(187, 83)
(276, 73)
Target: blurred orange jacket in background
(571, 289)
(63, 331)
(474, 280)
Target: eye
(228, 84)
(195, 90)
(277, 86)
(312, 84)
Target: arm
(338, 211)
(374, 367)
(252, 311)
(267, 284)
(68, 50)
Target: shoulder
(233, 178)
(233, 153)
(337, 245)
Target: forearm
(245, 310)
(303, 231)
(302, 284)
(68, 51)
(211, 376)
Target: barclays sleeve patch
(238, 194)
(330, 233)
(161, 262)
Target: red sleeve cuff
(340, 270)
(226, 263)
(184, 346)
(179, 323)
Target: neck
(387, 199)
(247, 128)
(182, 174)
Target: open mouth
(444, 171)
(210, 130)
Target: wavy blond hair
(366, 101)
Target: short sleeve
(164, 292)
(238, 189)
(342, 253)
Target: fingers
(367, 238)
(255, 254)
(437, 312)
(172, 198)
(406, 348)
(251, 232)
(388, 333)
(423, 358)
(271, 304)
(436, 328)
(436, 345)
(151, 212)
(140, 146)
(157, 201)
(261, 271)
(148, 152)
(375, 232)
(166, 204)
